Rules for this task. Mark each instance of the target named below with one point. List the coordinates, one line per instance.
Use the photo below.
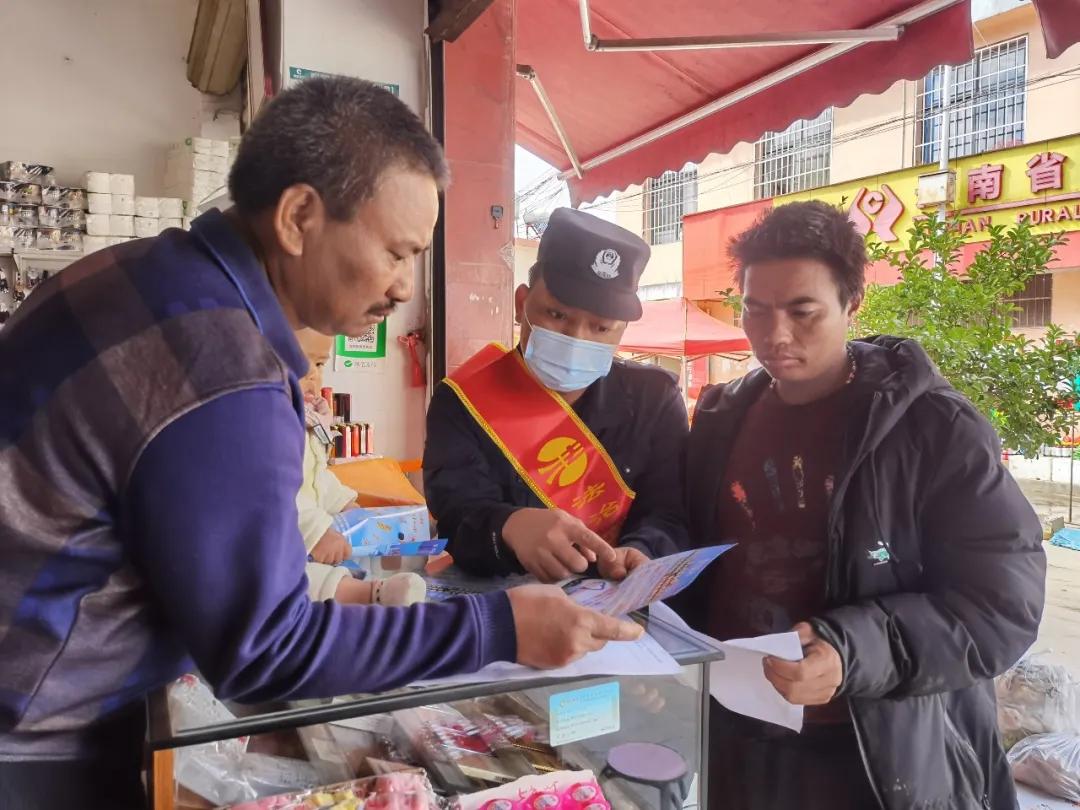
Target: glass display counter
(644, 738)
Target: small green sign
(298, 73)
(370, 345)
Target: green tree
(965, 323)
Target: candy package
(401, 790)
(345, 752)
(452, 748)
(515, 730)
(562, 790)
(7, 190)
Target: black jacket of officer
(583, 287)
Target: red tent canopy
(632, 114)
(677, 328)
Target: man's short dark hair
(338, 135)
(536, 273)
(801, 230)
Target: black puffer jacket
(935, 574)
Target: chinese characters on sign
(1045, 171)
(985, 182)
(879, 211)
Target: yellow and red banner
(548, 445)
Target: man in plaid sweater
(151, 431)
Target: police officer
(562, 390)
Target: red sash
(544, 439)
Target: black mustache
(382, 310)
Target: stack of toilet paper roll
(111, 202)
(198, 168)
(117, 215)
(156, 214)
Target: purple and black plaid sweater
(150, 453)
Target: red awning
(1060, 24)
(605, 100)
(677, 328)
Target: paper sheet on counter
(642, 657)
(738, 683)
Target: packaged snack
(72, 218)
(26, 216)
(7, 214)
(74, 198)
(48, 217)
(59, 239)
(7, 242)
(7, 190)
(342, 753)
(31, 278)
(24, 238)
(48, 238)
(27, 194)
(451, 748)
(25, 172)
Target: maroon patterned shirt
(774, 502)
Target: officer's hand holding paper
(649, 581)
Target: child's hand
(332, 548)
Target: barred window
(796, 159)
(667, 199)
(988, 104)
(1034, 302)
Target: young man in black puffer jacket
(874, 516)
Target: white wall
(100, 84)
(379, 40)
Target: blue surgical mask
(563, 363)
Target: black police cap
(591, 264)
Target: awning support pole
(889, 33)
(586, 27)
(908, 17)
(526, 72)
